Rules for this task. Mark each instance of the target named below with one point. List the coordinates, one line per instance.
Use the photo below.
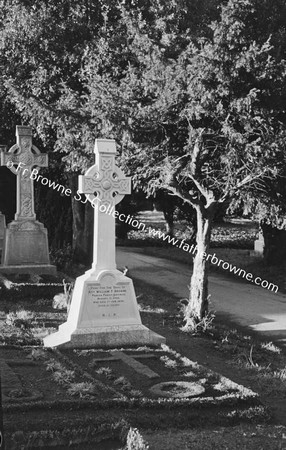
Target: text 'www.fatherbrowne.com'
(193, 250)
(152, 232)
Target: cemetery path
(240, 302)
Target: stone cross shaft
(20, 159)
(104, 185)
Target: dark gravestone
(7, 193)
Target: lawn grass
(241, 437)
(244, 358)
(65, 381)
(223, 350)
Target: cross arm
(87, 184)
(6, 157)
(41, 160)
(123, 186)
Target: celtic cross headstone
(25, 248)
(105, 185)
(103, 310)
(20, 159)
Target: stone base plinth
(26, 243)
(41, 269)
(103, 313)
(104, 337)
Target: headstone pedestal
(104, 311)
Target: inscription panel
(26, 247)
(110, 304)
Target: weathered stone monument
(104, 310)
(25, 248)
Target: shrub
(21, 319)
(122, 382)
(63, 300)
(82, 390)
(62, 257)
(135, 441)
(103, 370)
(60, 374)
(192, 325)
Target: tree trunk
(82, 225)
(197, 307)
(169, 218)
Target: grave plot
(158, 376)
(152, 376)
(26, 309)
(59, 390)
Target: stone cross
(25, 156)
(104, 312)
(105, 185)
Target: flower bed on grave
(84, 375)
(170, 366)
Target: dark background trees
(202, 122)
(193, 95)
(46, 54)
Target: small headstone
(259, 244)
(103, 310)
(26, 242)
